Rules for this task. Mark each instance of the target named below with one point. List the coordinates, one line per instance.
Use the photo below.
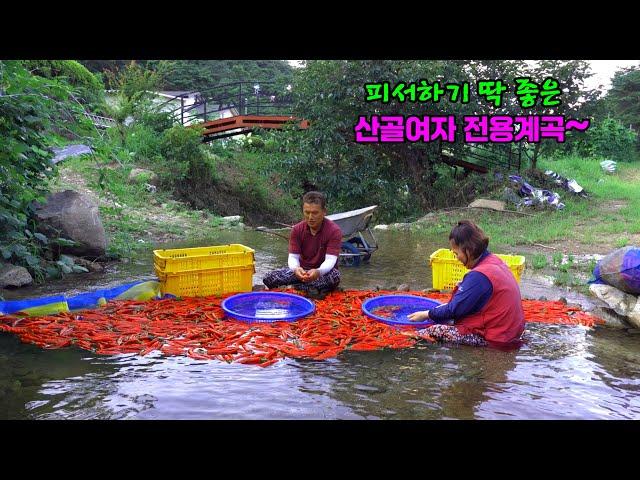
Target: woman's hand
(419, 316)
(301, 273)
(313, 275)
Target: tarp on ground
(141, 290)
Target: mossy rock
(141, 176)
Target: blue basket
(396, 308)
(267, 307)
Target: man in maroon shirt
(314, 247)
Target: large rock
(611, 318)
(622, 303)
(140, 175)
(74, 216)
(634, 316)
(427, 218)
(14, 276)
(484, 203)
(400, 226)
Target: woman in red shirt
(486, 307)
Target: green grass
(622, 242)
(539, 261)
(129, 212)
(124, 206)
(256, 181)
(587, 220)
(593, 221)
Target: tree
(577, 102)
(134, 85)
(88, 88)
(102, 66)
(624, 96)
(331, 95)
(611, 139)
(400, 176)
(198, 75)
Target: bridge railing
(507, 156)
(237, 98)
(100, 122)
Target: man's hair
(318, 198)
(470, 238)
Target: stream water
(562, 372)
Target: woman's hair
(469, 238)
(318, 198)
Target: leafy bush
(610, 139)
(252, 143)
(183, 154)
(156, 121)
(29, 107)
(539, 261)
(143, 142)
(88, 86)
(133, 84)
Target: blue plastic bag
(620, 269)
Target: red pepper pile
(196, 327)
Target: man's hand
(301, 273)
(313, 274)
(419, 316)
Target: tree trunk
(534, 160)
(422, 176)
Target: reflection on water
(561, 372)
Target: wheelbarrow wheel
(349, 261)
(357, 241)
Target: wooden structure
(242, 124)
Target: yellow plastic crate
(448, 271)
(203, 271)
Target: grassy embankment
(136, 220)
(554, 240)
